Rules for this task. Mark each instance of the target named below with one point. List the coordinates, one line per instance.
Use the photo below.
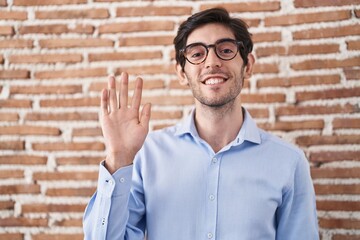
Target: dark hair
(213, 15)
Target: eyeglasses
(225, 49)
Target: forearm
(106, 215)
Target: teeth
(213, 81)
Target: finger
(145, 116)
(112, 94)
(104, 102)
(136, 100)
(124, 89)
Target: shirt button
(211, 197)
(111, 182)
(214, 160)
(209, 235)
(122, 180)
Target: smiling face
(214, 82)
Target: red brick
(346, 123)
(313, 49)
(327, 94)
(14, 74)
(158, 115)
(73, 14)
(11, 174)
(20, 189)
(29, 130)
(11, 236)
(46, 58)
(262, 98)
(328, 63)
(266, 68)
(82, 132)
(148, 69)
(267, 37)
(293, 19)
(339, 223)
(7, 205)
(75, 102)
(245, 6)
(327, 140)
(319, 3)
(352, 73)
(338, 205)
(23, 159)
(55, 29)
(353, 45)
(71, 116)
(37, 208)
(71, 192)
(73, 146)
(70, 223)
(6, 30)
(16, 43)
(86, 160)
(270, 51)
(56, 176)
(136, 27)
(315, 110)
(75, 43)
(293, 126)
(3, 3)
(124, 56)
(259, 112)
(152, 11)
(357, 12)
(46, 2)
(9, 117)
(23, 222)
(331, 156)
(12, 145)
(13, 15)
(169, 100)
(330, 32)
(15, 103)
(40, 89)
(68, 73)
(59, 236)
(345, 237)
(330, 189)
(335, 173)
(298, 81)
(146, 41)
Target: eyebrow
(217, 41)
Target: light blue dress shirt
(256, 188)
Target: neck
(218, 126)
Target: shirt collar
(248, 132)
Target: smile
(213, 81)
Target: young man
(213, 176)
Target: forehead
(210, 33)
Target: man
(213, 176)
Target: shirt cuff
(114, 185)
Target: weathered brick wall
(54, 59)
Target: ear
(249, 66)
(181, 75)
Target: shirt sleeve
(296, 217)
(107, 213)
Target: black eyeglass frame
(207, 47)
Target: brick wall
(54, 59)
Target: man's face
(214, 82)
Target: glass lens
(195, 53)
(226, 50)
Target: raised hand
(123, 126)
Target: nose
(212, 59)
